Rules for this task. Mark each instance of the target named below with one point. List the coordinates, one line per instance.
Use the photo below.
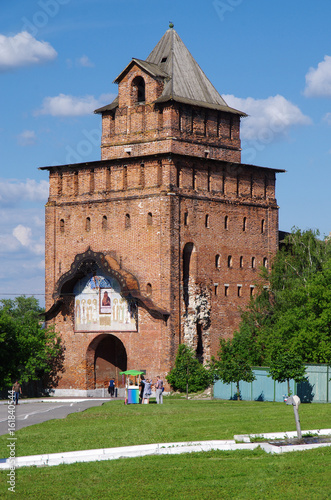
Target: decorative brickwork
(169, 223)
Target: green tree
(233, 362)
(28, 351)
(188, 374)
(286, 365)
(288, 322)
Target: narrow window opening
(239, 290)
(241, 262)
(149, 289)
(164, 59)
(178, 176)
(207, 221)
(217, 261)
(226, 290)
(262, 226)
(125, 177)
(149, 219)
(208, 180)
(215, 289)
(252, 290)
(104, 222)
(226, 222)
(127, 221)
(265, 262)
(62, 226)
(229, 261)
(253, 262)
(87, 224)
(244, 223)
(108, 179)
(142, 176)
(194, 174)
(186, 219)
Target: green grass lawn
(116, 424)
(212, 475)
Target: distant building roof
(184, 80)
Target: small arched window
(104, 222)
(87, 224)
(265, 262)
(241, 261)
(61, 225)
(127, 221)
(226, 222)
(217, 261)
(244, 223)
(229, 261)
(262, 226)
(148, 289)
(138, 90)
(185, 218)
(149, 219)
(253, 262)
(207, 220)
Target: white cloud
(26, 138)
(67, 105)
(24, 235)
(13, 191)
(318, 80)
(85, 62)
(23, 50)
(268, 118)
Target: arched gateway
(106, 357)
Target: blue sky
(58, 59)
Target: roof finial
(171, 24)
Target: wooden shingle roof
(184, 80)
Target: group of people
(145, 387)
(146, 390)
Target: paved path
(37, 411)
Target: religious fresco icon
(99, 305)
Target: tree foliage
(288, 322)
(28, 351)
(188, 374)
(233, 361)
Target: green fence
(317, 388)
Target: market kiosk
(132, 386)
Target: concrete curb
(156, 449)
(123, 452)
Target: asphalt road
(38, 411)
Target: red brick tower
(161, 241)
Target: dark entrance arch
(106, 357)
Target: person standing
(147, 390)
(111, 387)
(159, 390)
(17, 391)
(141, 387)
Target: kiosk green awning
(134, 373)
